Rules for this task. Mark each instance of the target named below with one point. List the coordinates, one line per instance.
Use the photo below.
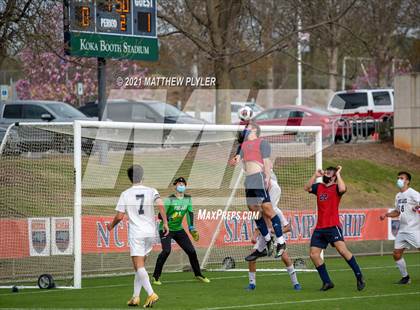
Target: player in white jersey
(407, 207)
(260, 242)
(138, 203)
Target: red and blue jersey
(255, 150)
(328, 201)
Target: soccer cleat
(327, 286)
(250, 287)
(134, 301)
(361, 284)
(256, 254)
(297, 287)
(270, 246)
(151, 300)
(404, 280)
(202, 279)
(280, 248)
(156, 281)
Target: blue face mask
(400, 183)
(180, 188)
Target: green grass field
(226, 291)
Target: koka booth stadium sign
(120, 29)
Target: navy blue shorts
(322, 236)
(255, 191)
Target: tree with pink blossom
(52, 75)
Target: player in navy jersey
(328, 228)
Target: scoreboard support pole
(101, 88)
(102, 105)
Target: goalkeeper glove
(194, 233)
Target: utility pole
(299, 64)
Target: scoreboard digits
(119, 29)
(124, 17)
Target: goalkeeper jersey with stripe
(176, 208)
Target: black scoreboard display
(116, 18)
(130, 17)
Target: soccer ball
(245, 113)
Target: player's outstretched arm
(417, 198)
(286, 228)
(190, 220)
(340, 182)
(317, 174)
(255, 234)
(117, 218)
(235, 160)
(267, 172)
(393, 213)
(162, 212)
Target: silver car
(37, 111)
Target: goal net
(59, 185)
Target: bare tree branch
(272, 48)
(198, 18)
(200, 44)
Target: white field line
(194, 280)
(292, 302)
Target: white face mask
(400, 183)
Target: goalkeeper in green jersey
(177, 206)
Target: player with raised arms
(255, 153)
(177, 206)
(407, 207)
(328, 228)
(138, 203)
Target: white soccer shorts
(406, 240)
(140, 246)
(275, 193)
(260, 244)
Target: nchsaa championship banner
(53, 236)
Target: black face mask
(326, 179)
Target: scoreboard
(123, 29)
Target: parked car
(363, 108)
(149, 111)
(38, 111)
(90, 109)
(2, 133)
(293, 115)
(377, 104)
(145, 111)
(235, 107)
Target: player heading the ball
(255, 153)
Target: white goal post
(89, 158)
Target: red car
(292, 115)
